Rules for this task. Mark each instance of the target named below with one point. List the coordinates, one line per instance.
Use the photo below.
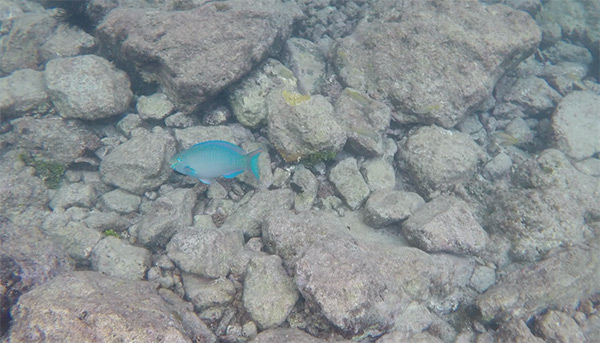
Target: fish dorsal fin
(224, 144)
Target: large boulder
(435, 60)
(87, 87)
(193, 54)
(88, 306)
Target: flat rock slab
(196, 53)
(435, 60)
(89, 306)
(445, 224)
(556, 282)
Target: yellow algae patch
(294, 99)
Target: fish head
(177, 164)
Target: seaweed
(50, 172)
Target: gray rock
(531, 94)
(77, 93)
(206, 252)
(307, 62)
(67, 41)
(379, 278)
(364, 120)
(577, 19)
(498, 166)
(548, 209)
(483, 278)
(445, 224)
(86, 306)
(565, 52)
(21, 190)
(23, 265)
(387, 207)
(436, 159)
(168, 214)
(73, 194)
(566, 77)
(205, 293)
(113, 256)
(576, 122)
(193, 325)
(141, 164)
(180, 120)
(15, 8)
(305, 185)
(379, 174)
(248, 100)
(567, 276)
(349, 182)
(515, 331)
(102, 221)
(301, 125)
(23, 92)
(233, 37)
(269, 293)
(129, 122)
(249, 217)
(556, 326)
(54, 138)
(23, 36)
(403, 43)
(73, 236)
(155, 106)
(121, 201)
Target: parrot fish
(208, 160)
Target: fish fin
(189, 171)
(253, 160)
(234, 174)
(205, 181)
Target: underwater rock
(424, 56)
(204, 251)
(567, 275)
(23, 265)
(349, 182)
(445, 224)
(248, 218)
(437, 159)
(113, 256)
(269, 293)
(53, 139)
(78, 93)
(303, 126)
(379, 278)
(168, 213)
(84, 306)
(73, 194)
(389, 206)
(23, 92)
(140, 164)
(576, 123)
(196, 53)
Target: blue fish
(208, 160)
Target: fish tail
(253, 160)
